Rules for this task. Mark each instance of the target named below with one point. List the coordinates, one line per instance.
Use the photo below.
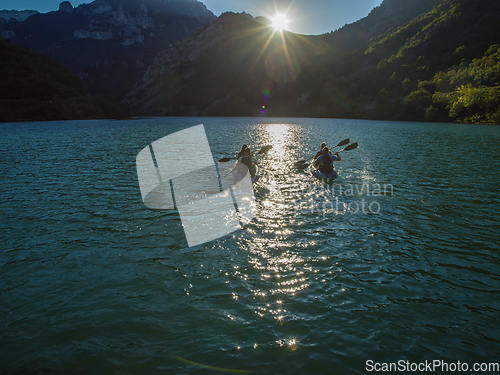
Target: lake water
(93, 281)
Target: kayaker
(249, 161)
(320, 152)
(242, 151)
(325, 161)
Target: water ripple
(94, 281)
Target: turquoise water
(92, 281)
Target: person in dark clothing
(320, 152)
(325, 161)
(249, 161)
(242, 152)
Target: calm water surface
(92, 281)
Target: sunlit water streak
(93, 281)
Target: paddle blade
(304, 166)
(350, 147)
(224, 160)
(265, 149)
(299, 163)
(344, 142)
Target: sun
(279, 22)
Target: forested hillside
(441, 66)
(35, 87)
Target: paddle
(263, 150)
(348, 148)
(300, 162)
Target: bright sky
(308, 17)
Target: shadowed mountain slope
(108, 43)
(35, 87)
(234, 66)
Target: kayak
(317, 173)
(238, 176)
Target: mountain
(108, 43)
(407, 60)
(35, 87)
(7, 15)
(226, 69)
(419, 70)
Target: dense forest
(443, 65)
(36, 87)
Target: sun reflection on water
(275, 272)
(282, 275)
(278, 136)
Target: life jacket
(326, 164)
(248, 161)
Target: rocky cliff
(109, 43)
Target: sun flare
(279, 22)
